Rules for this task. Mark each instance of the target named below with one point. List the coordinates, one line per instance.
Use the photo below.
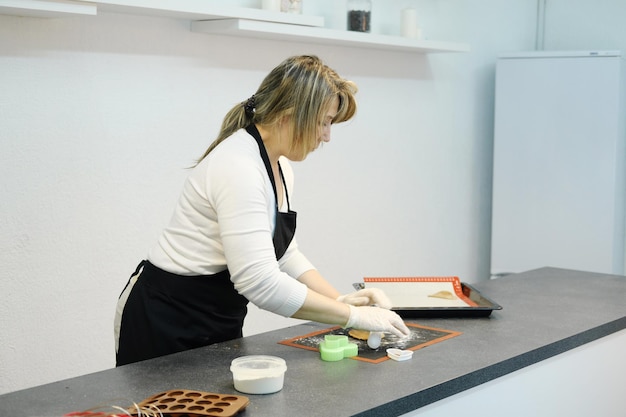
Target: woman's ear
(285, 119)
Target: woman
(230, 239)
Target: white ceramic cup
(272, 5)
(408, 23)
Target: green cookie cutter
(336, 347)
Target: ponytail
(237, 118)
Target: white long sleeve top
(225, 218)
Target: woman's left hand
(366, 297)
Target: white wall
(99, 116)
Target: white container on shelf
(408, 23)
(271, 5)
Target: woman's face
(323, 131)
(326, 123)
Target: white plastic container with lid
(258, 374)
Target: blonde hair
(301, 87)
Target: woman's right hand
(376, 319)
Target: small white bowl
(399, 354)
(258, 374)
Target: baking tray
(484, 306)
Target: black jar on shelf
(359, 15)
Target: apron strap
(282, 177)
(254, 132)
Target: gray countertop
(545, 312)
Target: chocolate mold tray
(183, 402)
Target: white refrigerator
(558, 171)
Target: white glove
(366, 297)
(376, 319)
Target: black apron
(167, 313)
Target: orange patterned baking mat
(411, 292)
(421, 337)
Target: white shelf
(40, 8)
(211, 16)
(269, 30)
(203, 10)
(178, 9)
